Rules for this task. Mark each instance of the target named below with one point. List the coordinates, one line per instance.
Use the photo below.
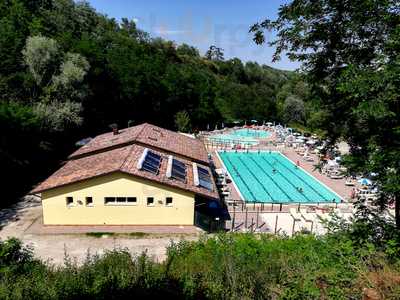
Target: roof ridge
(134, 142)
(144, 125)
(126, 158)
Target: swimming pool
(270, 177)
(243, 136)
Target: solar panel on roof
(151, 162)
(204, 178)
(178, 170)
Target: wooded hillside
(68, 72)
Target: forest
(68, 73)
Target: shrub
(224, 266)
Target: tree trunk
(397, 210)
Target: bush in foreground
(227, 266)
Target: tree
(182, 121)
(59, 103)
(67, 84)
(187, 50)
(41, 55)
(350, 51)
(73, 71)
(293, 110)
(215, 53)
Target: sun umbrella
(332, 163)
(364, 181)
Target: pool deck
(337, 185)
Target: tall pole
(233, 220)
(294, 222)
(245, 223)
(257, 219)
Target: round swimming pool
(243, 136)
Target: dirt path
(19, 220)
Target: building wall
(57, 212)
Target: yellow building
(142, 175)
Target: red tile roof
(149, 135)
(124, 160)
(109, 153)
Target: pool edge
(231, 177)
(341, 199)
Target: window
(168, 201)
(89, 201)
(178, 170)
(132, 200)
(69, 201)
(150, 201)
(109, 200)
(120, 200)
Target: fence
(247, 215)
(277, 206)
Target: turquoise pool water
(243, 136)
(254, 175)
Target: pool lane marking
(247, 167)
(279, 187)
(312, 176)
(240, 177)
(224, 165)
(301, 179)
(280, 173)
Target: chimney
(114, 128)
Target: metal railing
(283, 206)
(246, 216)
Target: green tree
(74, 71)
(215, 53)
(41, 55)
(350, 51)
(293, 110)
(61, 91)
(182, 121)
(187, 50)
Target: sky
(201, 23)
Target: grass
(100, 234)
(136, 235)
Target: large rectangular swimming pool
(272, 178)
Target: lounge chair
(295, 215)
(307, 217)
(308, 158)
